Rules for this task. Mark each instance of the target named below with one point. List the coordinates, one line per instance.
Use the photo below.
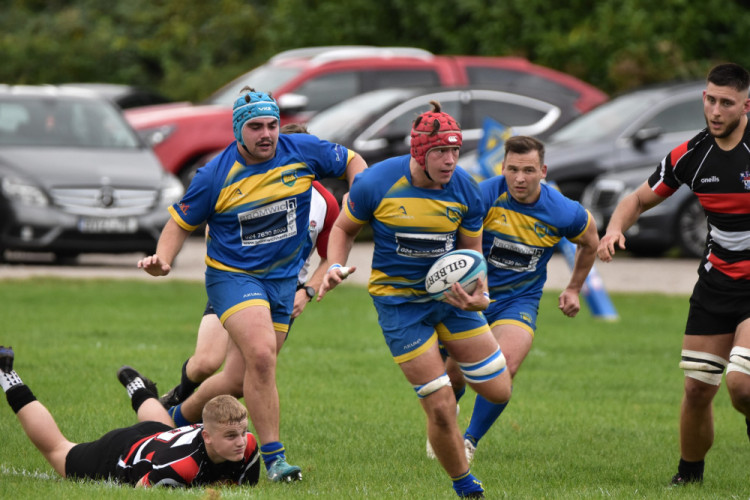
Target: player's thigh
(252, 331)
(234, 366)
(742, 336)
(472, 349)
(718, 345)
(424, 368)
(515, 342)
(211, 346)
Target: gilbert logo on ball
(459, 266)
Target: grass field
(594, 412)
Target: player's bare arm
(301, 299)
(356, 165)
(624, 216)
(340, 244)
(170, 243)
(569, 300)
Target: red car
(305, 81)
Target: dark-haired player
(715, 164)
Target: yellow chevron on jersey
(438, 216)
(261, 188)
(521, 228)
(383, 285)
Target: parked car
(679, 221)
(377, 124)
(75, 177)
(306, 81)
(125, 96)
(637, 128)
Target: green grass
(594, 412)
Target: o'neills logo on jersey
(443, 271)
(745, 178)
(706, 180)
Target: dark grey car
(634, 129)
(75, 177)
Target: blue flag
(490, 151)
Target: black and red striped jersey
(721, 180)
(178, 458)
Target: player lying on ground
(150, 453)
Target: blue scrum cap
(250, 106)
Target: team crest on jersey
(745, 178)
(289, 177)
(541, 230)
(453, 214)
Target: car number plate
(108, 225)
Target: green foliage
(594, 412)
(188, 49)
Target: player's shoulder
(552, 196)
(464, 176)
(686, 149)
(385, 170)
(494, 184)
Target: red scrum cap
(433, 129)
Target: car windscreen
(350, 115)
(607, 120)
(264, 78)
(69, 122)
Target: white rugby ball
(458, 266)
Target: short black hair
(729, 75)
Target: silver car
(75, 177)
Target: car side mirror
(292, 103)
(644, 135)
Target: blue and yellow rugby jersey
(519, 239)
(258, 214)
(412, 227)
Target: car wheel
(67, 258)
(692, 228)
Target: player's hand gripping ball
(459, 266)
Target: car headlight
(171, 191)
(23, 192)
(157, 135)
